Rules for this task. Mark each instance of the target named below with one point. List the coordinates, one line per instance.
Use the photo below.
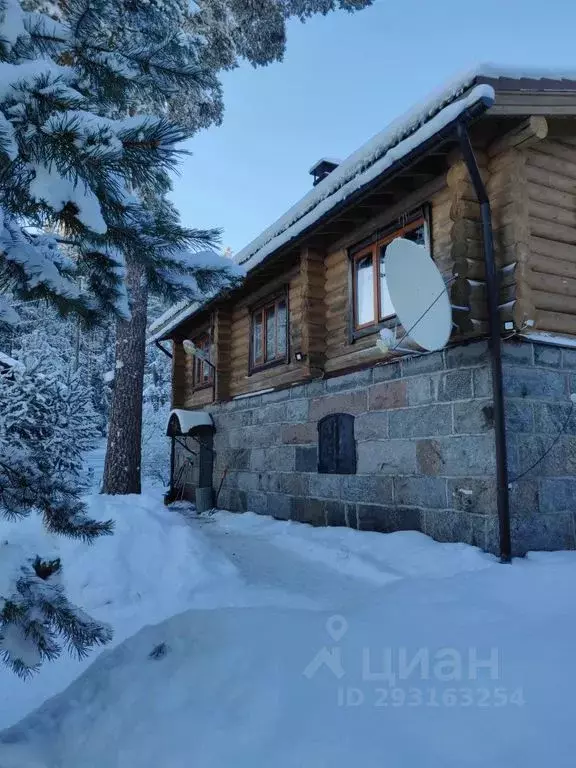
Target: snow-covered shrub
(45, 421)
(74, 422)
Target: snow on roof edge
(325, 203)
(176, 313)
(356, 163)
(182, 310)
(382, 142)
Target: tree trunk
(124, 448)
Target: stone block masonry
(425, 448)
(424, 445)
(541, 438)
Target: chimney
(322, 168)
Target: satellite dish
(418, 293)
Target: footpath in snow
(274, 643)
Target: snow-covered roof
(190, 419)
(397, 140)
(172, 318)
(368, 162)
(400, 137)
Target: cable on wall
(552, 444)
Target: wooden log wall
(199, 397)
(241, 380)
(530, 177)
(222, 350)
(313, 279)
(466, 258)
(504, 169)
(178, 375)
(550, 277)
(507, 187)
(183, 393)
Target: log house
(295, 342)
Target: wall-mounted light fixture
(298, 356)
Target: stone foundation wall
(425, 449)
(538, 380)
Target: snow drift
(332, 684)
(148, 570)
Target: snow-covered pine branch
(68, 166)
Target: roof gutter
(495, 343)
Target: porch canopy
(182, 423)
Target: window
(202, 373)
(372, 303)
(269, 333)
(336, 445)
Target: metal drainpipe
(168, 354)
(492, 290)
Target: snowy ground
(280, 646)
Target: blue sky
(343, 78)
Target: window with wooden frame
(202, 373)
(269, 333)
(371, 303)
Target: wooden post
(222, 338)
(313, 279)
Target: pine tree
(75, 174)
(197, 44)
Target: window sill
(201, 387)
(267, 366)
(372, 330)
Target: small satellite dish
(418, 293)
